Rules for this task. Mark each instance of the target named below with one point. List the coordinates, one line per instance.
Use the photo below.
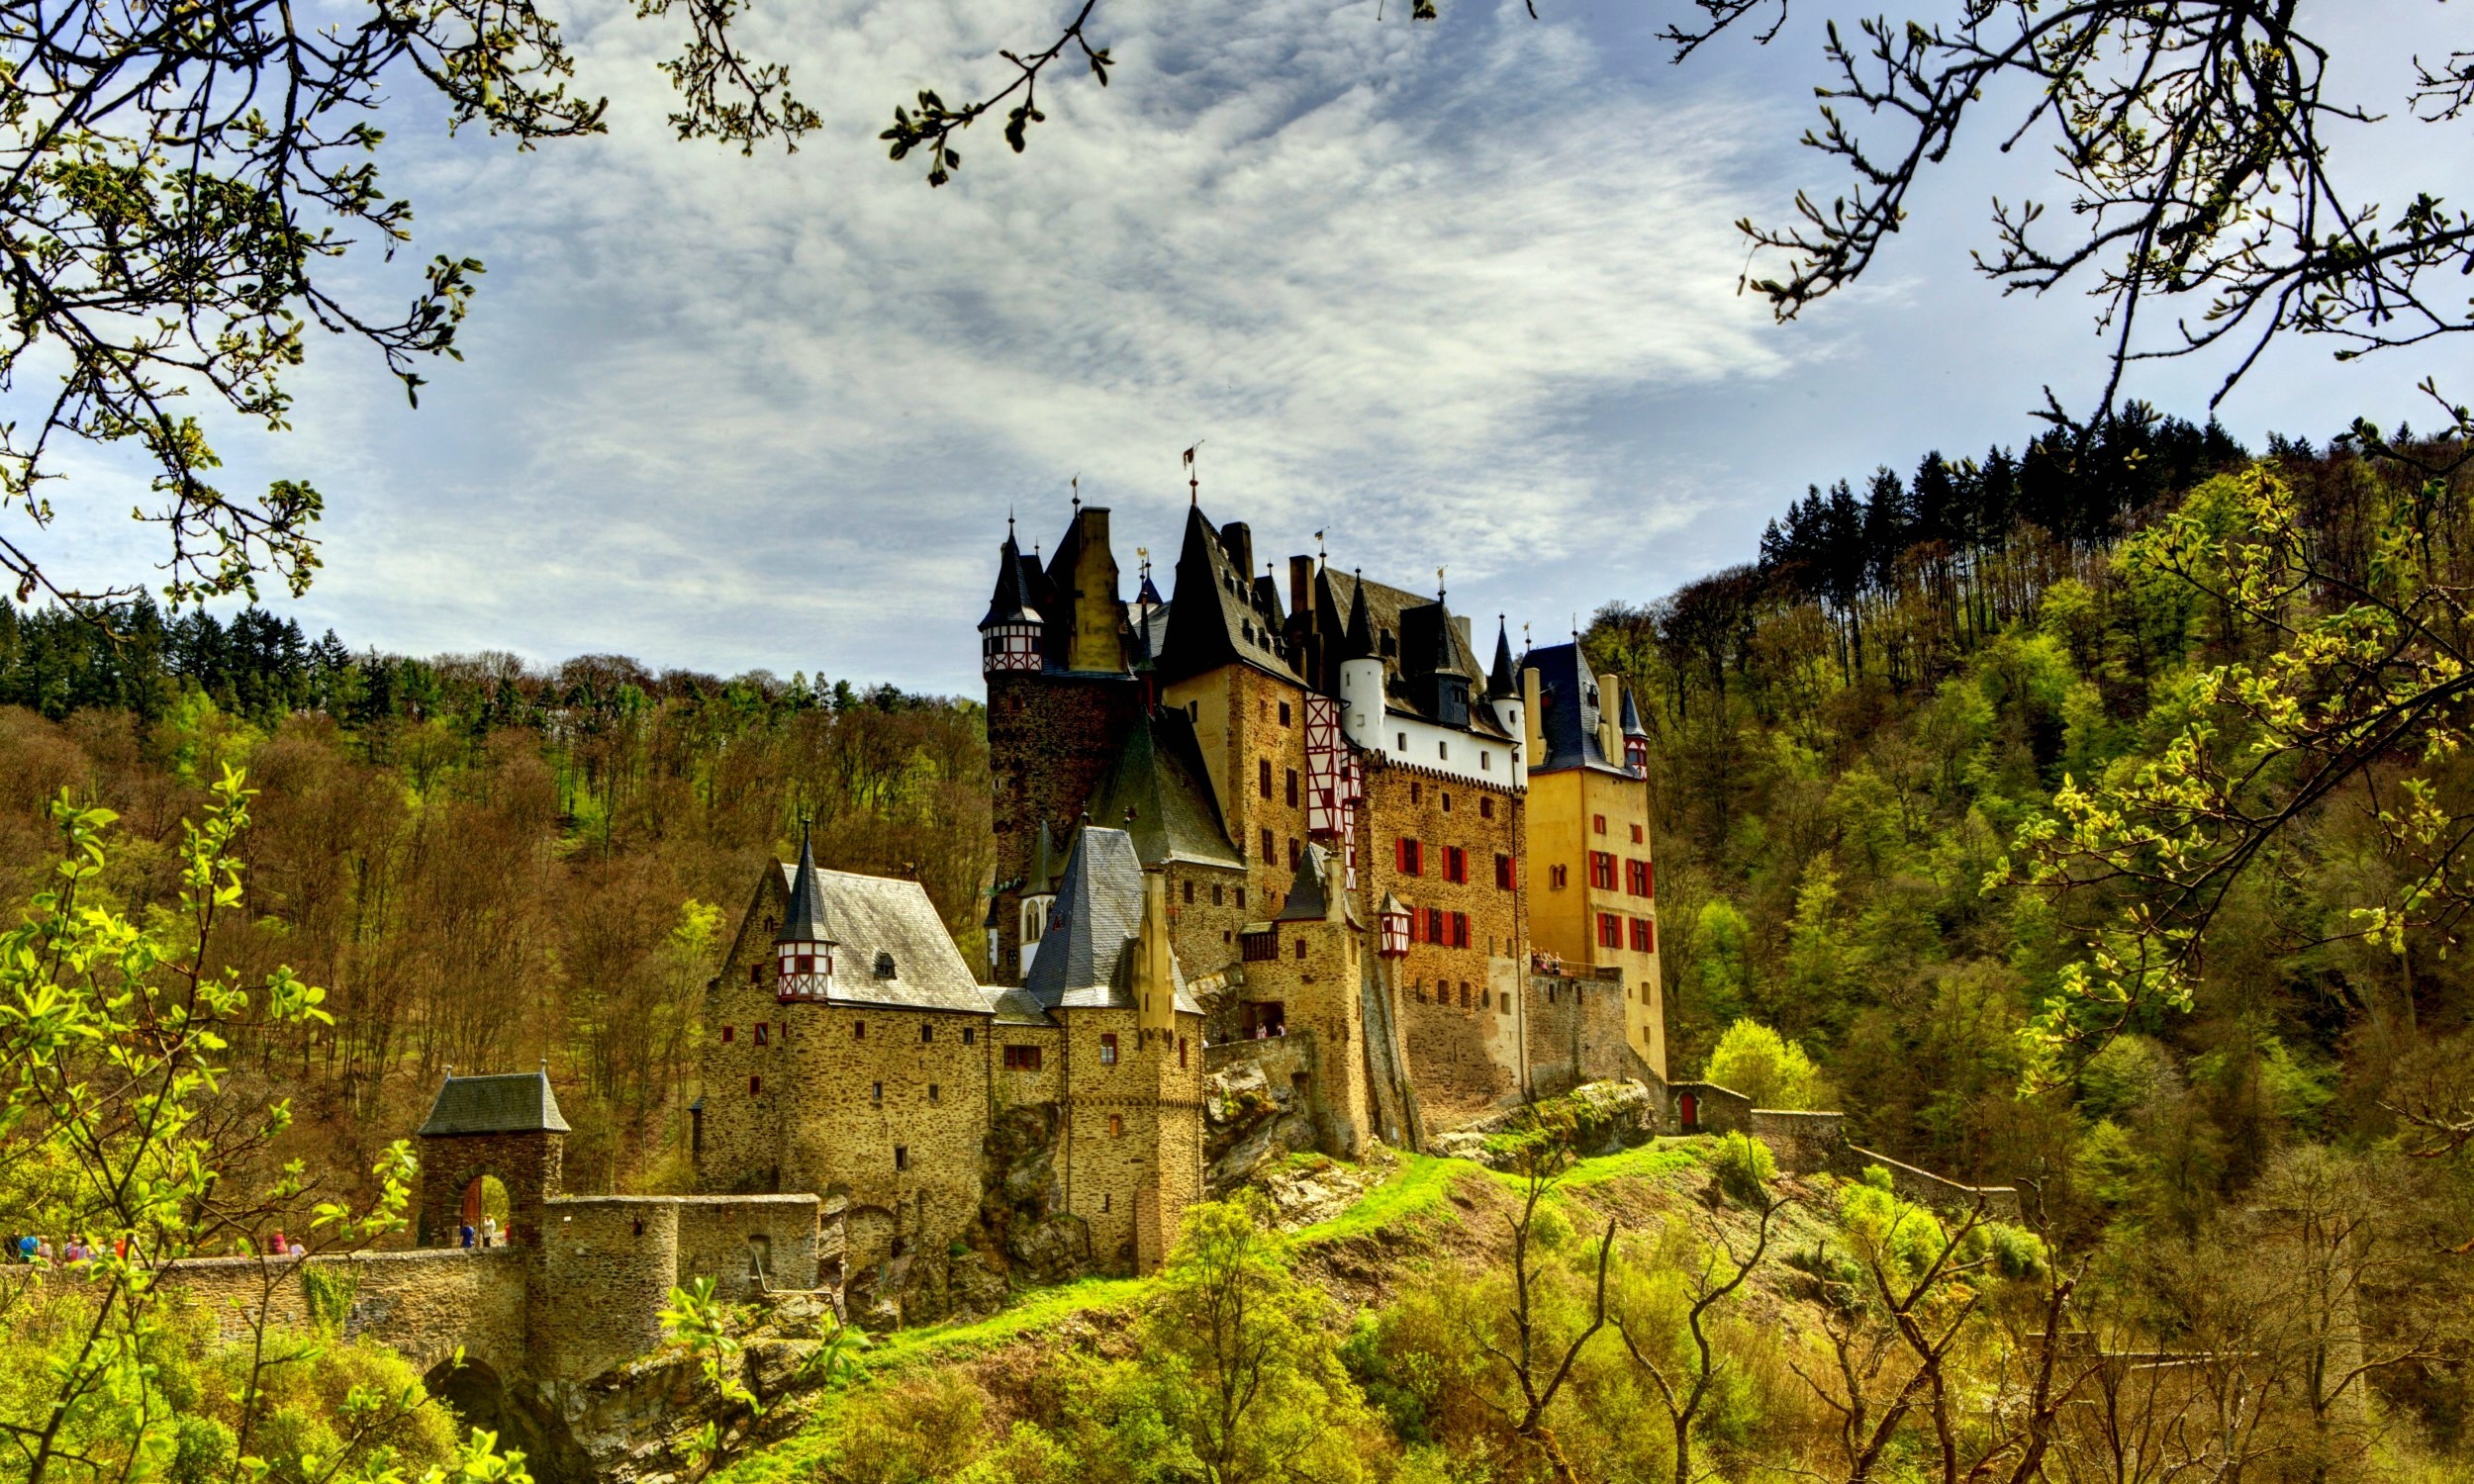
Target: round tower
(1010, 634)
(1361, 675)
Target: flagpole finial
(1439, 588)
(1076, 483)
(1193, 477)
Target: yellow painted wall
(1563, 807)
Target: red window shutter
(1400, 854)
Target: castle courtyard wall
(424, 1302)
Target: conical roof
(1011, 601)
(1309, 898)
(1500, 686)
(1047, 864)
(1632, 717)
(1358, 641)
(1159, 793)
(803, 921)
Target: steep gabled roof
(1631, 722)
(1158, 793)
(1214, 618)
(1501, 682)
(805, 920)
(1012, 603)
(1086, 958)
(1568, 711)
(516, 1103)
(1309, 894)
(1422, 645)
(875, 915)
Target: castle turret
(1636, 736)
(1361, 675)
(803, 951)
(1504, 694)
(1010, 636)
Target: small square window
(902, 1156)
(760, 1031)
(1284, 714)
(755, 1085)
(970, 1035)
(858, 1030)
(1485, 808)
(1401, 743)
(729, 1032)
(879, 1092)
(1107, 1049)
(1636, 834)
(1116, 1126)
(936, 1094)
(1447, 800)
(1301, 948)
(1597, 824)
(927, 1033)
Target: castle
(1310, 832)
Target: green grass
(1417, 1186)
(1034, 1309)
(1655, 1160)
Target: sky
(1459, 294)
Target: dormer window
(883, 966)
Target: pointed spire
(1632, 715)
(1500, 684)
(1011, 600)
(803, 921)
(1045, 867)
(1358, 642)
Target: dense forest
(483, 863)
(2084, 819)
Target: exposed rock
(1316, 1188)
(1595, 1118)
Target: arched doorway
(486, 1210)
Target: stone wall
(528, 1164)
(424, 1303)
(606, 1270)
(722, 1238)
(1805, 1143)
(1925, 1188)
(1463, 1059)
(1715, 1109)
(1317, 978)
(1578, 1032)
(1130, 1126)
(1050, 741)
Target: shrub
(1766, 1066)
(1742, 1167)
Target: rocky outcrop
(1595, 1118)
(1249, 1120)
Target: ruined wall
(889, 1107)
(1925, 1188)
(424, 1303)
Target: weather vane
(1193, 476)
(1076, 483)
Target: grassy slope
(1425, 1199)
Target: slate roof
(1012, 603)
(1425, 640)
(876, 914)
(1306, 900)
(1216, 615)
(1159, 775)
(1086, 958)
(805, 919)
(515, 1102)
(1502, 682)
(1568, 711)
(1017, 1007)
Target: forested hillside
(1854, 730)
(485, 865)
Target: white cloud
(729, 412)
